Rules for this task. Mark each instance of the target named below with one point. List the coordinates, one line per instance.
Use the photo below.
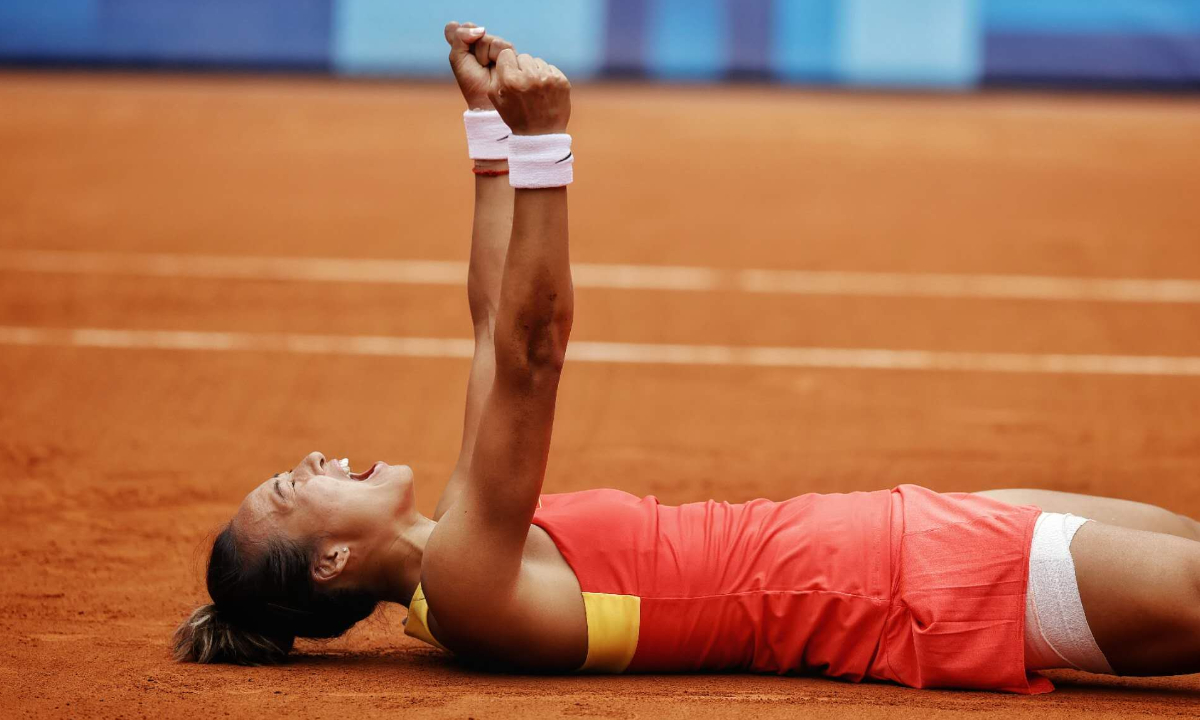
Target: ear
(330, 562)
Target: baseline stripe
(612, 352)
(622, 277)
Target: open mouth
(344, 464)
(368, 474)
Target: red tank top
(906, 585)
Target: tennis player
(904, 585)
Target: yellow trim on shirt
(417, 624)
(613, 623)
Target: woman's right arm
(474, 556)
(471, 59)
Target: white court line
(629, 277)
(612, 352)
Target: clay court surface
(148, 379)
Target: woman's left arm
(472, 58)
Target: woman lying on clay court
(907, 585)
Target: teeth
(345, 465)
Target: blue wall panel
(625, 36)
(1092, 17)
(1094, 59)
(64, 29)
(686, 39)
(392, 36)
(805, 39)
(266, 32)
(1092, 41)
(750, 38)
(916, 42)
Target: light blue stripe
(687, 39)
(1119, 17)
(393, 36)
(805, 39)
(933, 43)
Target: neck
(402, 565)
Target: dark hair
(263, 599)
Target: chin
(392, 474)
(397, 480)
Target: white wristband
(487, 135)
(540, 161)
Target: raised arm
(474, 557)
(473, 56)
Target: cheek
(321, 510)
(341, 509)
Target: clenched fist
(532, 96)
(473, 56)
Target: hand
(532, 96)
(473, 56)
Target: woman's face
(320, 501)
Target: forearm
(536, 297)
(489, 245)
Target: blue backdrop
(926, 43)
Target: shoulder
(539, 623)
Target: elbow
(545, 349)
(535, 347)
(552, 351)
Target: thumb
(502, 75)
(506, 63)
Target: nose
(315, 461)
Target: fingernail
(478, 31)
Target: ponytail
(206, 637)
